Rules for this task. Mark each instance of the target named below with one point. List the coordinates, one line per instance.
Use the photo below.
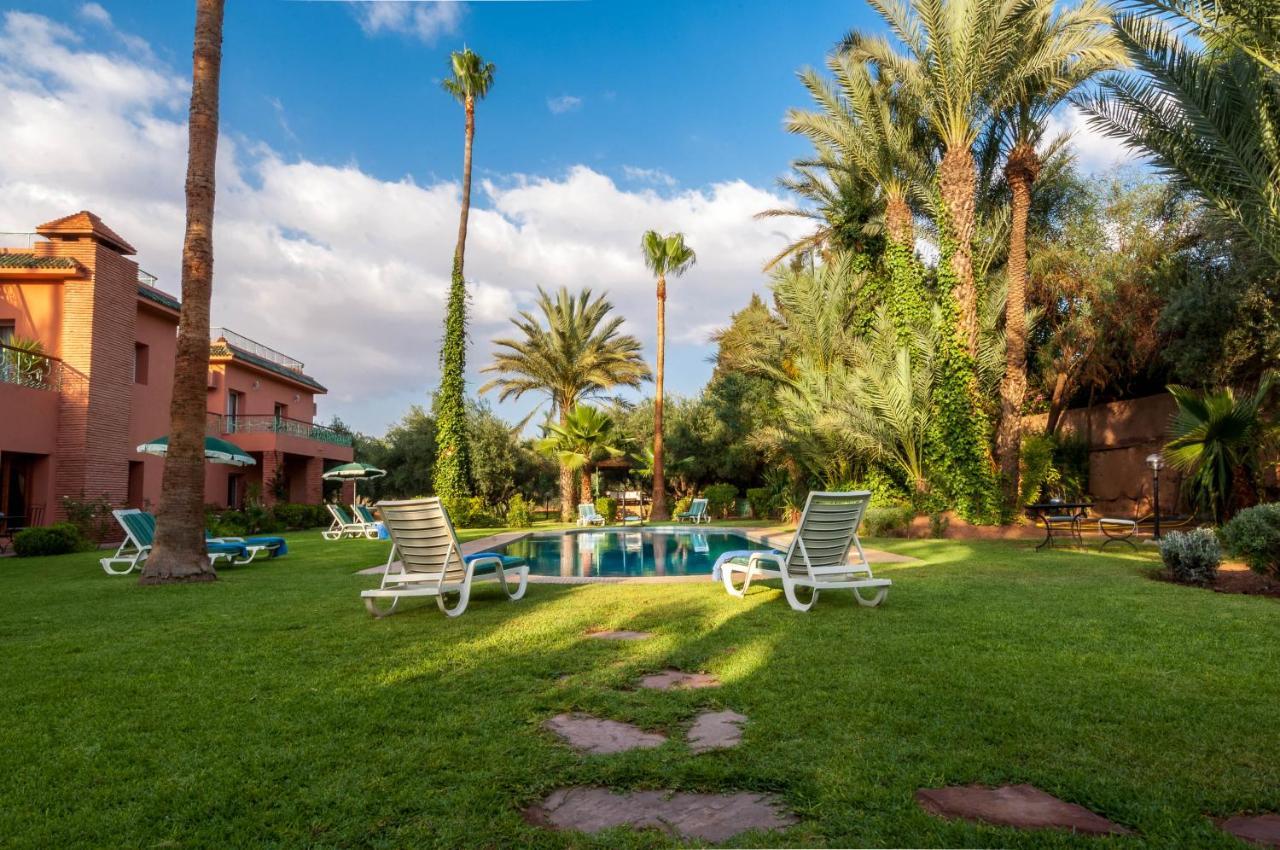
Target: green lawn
(270, 709)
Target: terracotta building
(74, 408)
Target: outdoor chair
(1063, 522)
(273, 546)
(344, 526)
(139, 536)
(587, 515)
(696, 514)
(363, 514)
(818, 557)
(1120, 530)
(431, 562)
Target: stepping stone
(1260, 829)
(593, 735)
(1021, 806)
(716, 730)
(619, 634)
(678, 680)
(709, 817)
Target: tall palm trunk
(568, 486)
(1020, 172)
(957, 179)
(658, 510)
(179, 552)
(586, 485)
(451, 464)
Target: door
(235, 402)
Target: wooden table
(1061, 517)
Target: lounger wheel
(371, 603)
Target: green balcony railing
(31, 369)
(267, 424)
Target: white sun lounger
(344, 526)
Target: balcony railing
(267, 424)
(255, 348)
(30, 369)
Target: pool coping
(774, 536)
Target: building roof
(221, 348)
(27, 260)
(159, 296)
(85, 223)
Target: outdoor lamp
(1156, 462)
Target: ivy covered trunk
(1020, 172)
(451, 426)
(179, 552)
(957, 182)
(907, 304)
(658, 509)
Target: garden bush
(518, 512)
(763, 501)
(295, 516)
(892, 521)
(1253, 535)
(91, 517)
(478, 515)
(1192, 556)
(607, 508)
(721, 499)
(682, 505)
(57, 539)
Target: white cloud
(564, 103)
(1094, 151)
(95, 13)
(346, 271)
(426, 21)
(656, 176)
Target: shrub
(478, 515)
(763, 501)
(892, 521)
(682, 505)
(291, 516)
(607, 508)
(91, 517)
(721, 499)
(1192, 556)
(939, 522)
(57, 539)
(1253, 535)
(518, 514)
(1037, 470)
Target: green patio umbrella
(353, 472)
(215, 451)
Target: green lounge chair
(587, 515)
(344, 526)
(139, 535)
(697, 513)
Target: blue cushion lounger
(253, 546)
(139, 533)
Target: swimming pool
(630, 553)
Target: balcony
(30, 369)
(267, 424)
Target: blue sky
(340, 158)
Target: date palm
(575, 351)
(585, 437)
(663, 256)
(841, 204)
(470, 80)
(179, 553)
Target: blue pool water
(626, 554)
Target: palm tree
(586, 436)
(966, 63)
(574, 352)
(1022, 130)
(841, 204)
(1207, 115)
(1218, 439)
(470, 80)
(179, 553)
(663, 255)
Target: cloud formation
(1095, 152)
(564, 103)
(426, 21)
(341, 269)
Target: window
(235, 401)
(6, 331)
(141, 360)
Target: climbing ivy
(907, 301)
(451, 424)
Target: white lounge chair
(818, 557)
(139, 536)
(587, 515)
(431, 562)
(344, 526)
(696, 514)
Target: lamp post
(1156, 462)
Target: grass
(269, 709)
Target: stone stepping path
(1021, 806)
(716, 730)
(589, 734)
(1259, 829)
(678, 680)
(619, 634)
(709, 817)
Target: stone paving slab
(716, 730)
(1021, 806)
(678, 680)
(1258, 829)
(619, 634)
(709, 817)
(595, 735)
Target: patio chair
(344, 526)
(587, 515)
(363, 514)
(273, 546)
(431, 562)
(818, 557)
(696, 514)
(1120, 530)
(139, 536)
